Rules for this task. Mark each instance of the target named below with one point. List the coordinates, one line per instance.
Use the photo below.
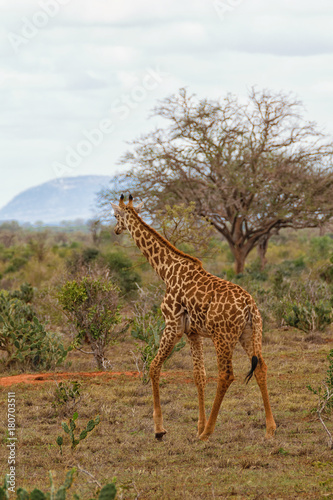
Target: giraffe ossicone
(198, 304)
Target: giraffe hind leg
(225, 378)
(196, 346)
(260, 373)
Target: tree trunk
(262, 249)
(240, 257)
(99, 357)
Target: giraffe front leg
(154, 372)
(196, 346)
(168, 340)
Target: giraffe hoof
(269, 433)
(204, 437)
(159, 435)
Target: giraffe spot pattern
(200, 305)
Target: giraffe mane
(163, 240)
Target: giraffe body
(198, 304)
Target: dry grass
(236, 463)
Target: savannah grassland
(236, 462)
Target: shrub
(70, 428)
(327, 272)
(38, 245)
(89, 254)
(303, 303)
(91, 305)
(120, 267)
(67, 394)
(289, 268)
(107, 492)
(16, 264)
(79, 262)
(25, 293)
(23, 338)
(321, 247)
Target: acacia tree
(251, 168)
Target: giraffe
(198, 304)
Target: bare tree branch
(250, 168)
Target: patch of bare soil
(44, 377)
(37, 378)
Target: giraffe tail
(254, 363)
(256, 324)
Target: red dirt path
(37, 378)
(44, 377)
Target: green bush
(23, 338)
(121, 268)
(70, 428)
(108, 492)
(303, 303)
(67, 394)
(327, 272)
(91, 305)
(321, 247)
(25, 293)
(89, 254)
(289, 268)
(80, 261)
(16, 264)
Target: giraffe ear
(139, 207)
(117, 209)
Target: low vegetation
(62, 293)
(91, 302)
(236, 463)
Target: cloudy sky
(79, 77)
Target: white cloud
(90, 54)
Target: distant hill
(68, 198)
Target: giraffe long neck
(162, 255)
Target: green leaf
(61, 493)
(90, 425)
(108, 492)
(60, 441)
(37, 495)
(97, 420)
(83, 435)
(65, 427)
(22, 494)
(69, 478)
(74, 417)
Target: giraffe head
(121, 212)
